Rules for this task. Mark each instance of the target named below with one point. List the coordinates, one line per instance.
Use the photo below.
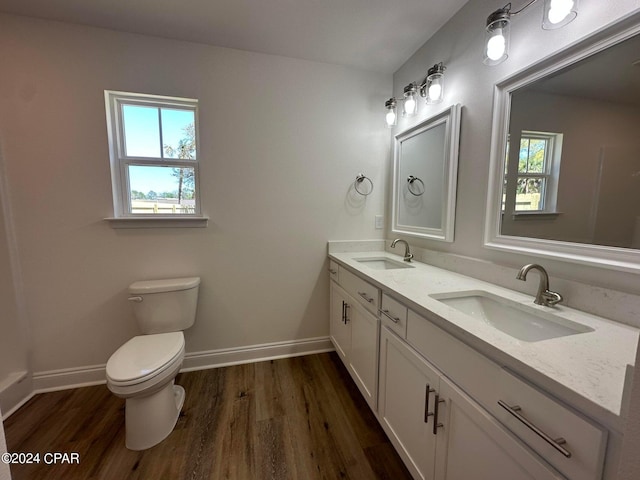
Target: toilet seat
(145, 357)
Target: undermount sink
(516, 320)
(382, 263)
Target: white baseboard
(255, 353)
(53, 380)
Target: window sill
(535, 215)
(158, 222)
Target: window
(153, 144)
(535, 180)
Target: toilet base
(151, 419)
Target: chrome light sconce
(392, 114)
(497, 33)
(431, 88)
(556, 14)
(410, 102)
(434, 84)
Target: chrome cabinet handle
(332, 271)
(344, 312)
(386, 314)
(427, 413)
(436, 408)
(364, 295)
(554, 442)
(135, 299)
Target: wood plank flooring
(297, 418)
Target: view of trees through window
(163, 138)
(532, 173)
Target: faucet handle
(551, 298)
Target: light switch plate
(379, 222)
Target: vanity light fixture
(392, 115)
(431, 88)
(410, 103)
(496, 45)
(556, 14)
(435, 84)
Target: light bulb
(435, 90)
(558, 13)
(410, 105)
(390, 118)
(496, 45)
(558, 10)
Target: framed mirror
(565, 155)
(425, 171)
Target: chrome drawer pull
(436, 407)
(386, 314)
(332, 271)
(427, 413)
(555, 443)
(364, 295)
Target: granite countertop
(590, 366)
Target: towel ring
(410, 180)
(359, 179)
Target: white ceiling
(377, 35)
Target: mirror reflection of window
(535, 181)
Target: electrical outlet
(379, 222)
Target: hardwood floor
(296, 418)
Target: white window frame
(120, 162)
(550, 173)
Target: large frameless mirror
(425, 176)
(565, 171)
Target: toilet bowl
(143, 370)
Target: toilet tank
(162, 306)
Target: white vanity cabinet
(354, 329)
(452, 412)
(438, 430)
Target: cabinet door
(339, 328)
(408, 385)
(473, 444)
(363, 356)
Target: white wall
(282, 140)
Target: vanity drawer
(360, 290)
(566, 439)
(394, 315)
(334, 271)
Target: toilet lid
(144, 356)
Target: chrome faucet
(407, 253)
(544, 296)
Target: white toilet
(143, 370)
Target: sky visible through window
(142, 139)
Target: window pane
(141, 131)
(162, 190)
(524, 155)
(529, 193)
(178, 133)
(537, 149)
